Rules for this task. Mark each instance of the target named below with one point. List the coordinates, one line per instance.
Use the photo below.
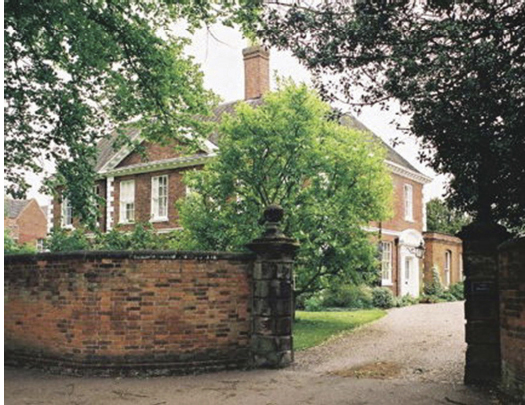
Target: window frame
(447, 268)
(66, 212)
(389, 262)
(156, 198)
(124, 202)
(408, 200)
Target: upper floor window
(127, 201)
(159, 197)
(67, 213)
(386, 263)
(409, 202)
(448, 265)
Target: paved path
(414, 355)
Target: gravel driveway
(426, 342)
(414, 355)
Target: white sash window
(127, 201)
(67, 214)
(448, 264)
(386, 263)
(159, 198)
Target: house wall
(128, 310)
(176, 190)
(436, 244)
(30, 225)
(398, 222)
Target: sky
(218, 51)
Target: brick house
(136, 190)
(26, 221)
(444, 253)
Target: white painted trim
(168, 230)
(160, 165)
(208, 146)
(383, 231)
(409, 174)
(109, 203)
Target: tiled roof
(107, 151)
(13, 208)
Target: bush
(458, 291)
(382, 298)
(61, 240)
(434, 286)
(405, 301)
(313, 304)
(11, 247)
(349, 296)
(143, 237)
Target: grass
(313, 328)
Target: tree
(456, 68)
(330, 180)
(77, 71)
(442, 218)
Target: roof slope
(106, 150)
(13, 208)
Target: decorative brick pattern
(123, 312)
(512, 317)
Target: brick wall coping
(441, 236)
(129, 254)
(512, 244)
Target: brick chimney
(256, 71)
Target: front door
(410, 277)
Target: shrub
(428, 299)
(458, 291)
(313, 304)
(61, 240)
(434, 286)
(349, 296)
(382, 298)
(405, 301)
(11, 247)
(143, 236)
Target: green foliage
(382, 297)
(313, 303)
(313, 328)
(441, 218)
(456, 68)
(433, 286)
(405, 301)
(348, 296)
(62, 240)
(76, 71)
(330, 180)
(142, 237)
(458, 291)
(11, 247)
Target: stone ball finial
(273, 213)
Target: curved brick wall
(512, 317)
(119, 312)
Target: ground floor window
(386, 263)
(448, 263)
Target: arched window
(448, 266)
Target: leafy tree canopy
(456, 68)
(330, 180)
(76, 71)
(442, 218)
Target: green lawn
(313, 328)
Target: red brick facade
(124, 309)
(29, 226)
(438, 247)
